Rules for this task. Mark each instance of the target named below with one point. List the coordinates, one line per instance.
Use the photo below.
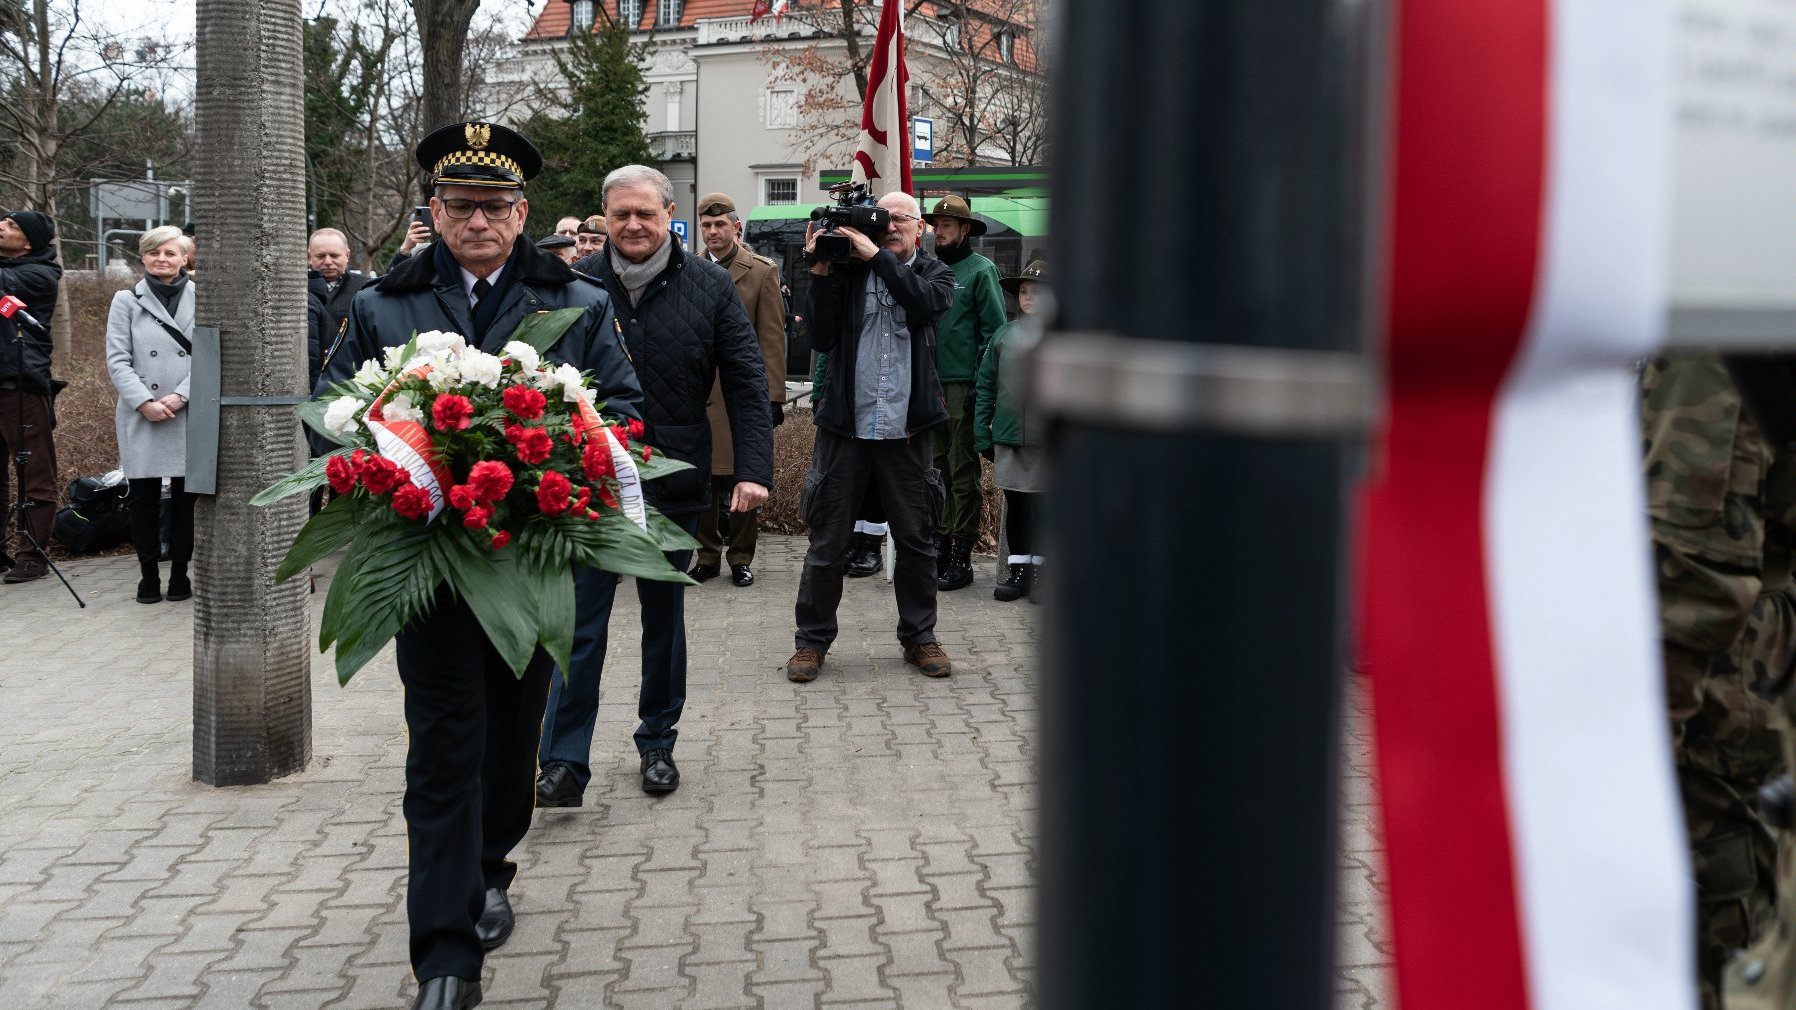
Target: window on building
(583, 15)
(1007, 46)
(780, 191)
(629, 13)
(951, 32)
(782, 109)
(668, 13)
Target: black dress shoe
(703, 573)
(863, 556)
(658, 772)
(741, 576)
(496, 921)
(556, 786)
(446, 992)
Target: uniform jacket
(688, 332)
(33, 278)
(997, 416)
(925, 290)
(146, 363)
(976, 316)
(758, 282)
(320, 334)
(414, 298)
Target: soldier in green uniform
(1726, 617)
(960, 341)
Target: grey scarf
(636, 276)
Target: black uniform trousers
(911, 490)
(470, 779)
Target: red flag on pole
(882, 159)
(762, 7)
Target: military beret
(716, 203)
(478, 154)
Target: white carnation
(480, 367)
(391, 357)
(344, 413)
(440, 343)
(524, 355)
(399, 407)
(569, 378)
(444, 374)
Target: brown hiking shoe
(26, 569)
(804, 665)
(929, 657)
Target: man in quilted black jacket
(683, 325)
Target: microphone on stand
(12, 307)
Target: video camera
(855, 208)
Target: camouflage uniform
(1728, 620)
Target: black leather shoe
(741, 576)
(179, 588)
(149, 590)
(446, 992)
(496, 921)
(863, 556)
(703, 573)
(556, 786)
(658, 772)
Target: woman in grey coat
(148, 347)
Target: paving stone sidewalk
(866, 840)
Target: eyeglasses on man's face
(492, 210)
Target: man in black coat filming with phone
(29, 272)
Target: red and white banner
(882, 159)
(1536, 853)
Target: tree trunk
(252, 705)
(443, 32)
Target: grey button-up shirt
(882, 364)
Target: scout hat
(955, 207)
(1036, 271)
(715, 204)
(478, 154)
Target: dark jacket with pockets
(925, 290)
(33, 278)
(689, 328)
(415, 298)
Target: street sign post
(922, 138)
(680, 228)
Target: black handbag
(97, 516)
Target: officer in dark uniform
(471, 767)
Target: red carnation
(634, 427)
(622, 434)
(647, 450)
(490, 479)
(476, 517)
(359, 459)
(552, 493)
(451, 412)
(581, 501)
(341, 474)
(525, 402)
(462, 497)
(501, 538)
(412, 502)
(533, 444)
(381, 475)
(596, 460)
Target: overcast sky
(174, 18)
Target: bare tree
(981, 72)
(252, 660)
(443, 32)
(836, 46)
(51, 54)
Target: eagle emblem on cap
(478, 135)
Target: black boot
(863, 555)
(1035, 583)
(179, 588)
(959, 573)
(1022, 576)
(149, 588)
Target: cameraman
(876, 315)
(29, 271)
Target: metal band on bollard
(1170, 386)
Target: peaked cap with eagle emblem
(478, 154)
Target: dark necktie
(481, 287)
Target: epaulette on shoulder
(588, 278)
(765, 260)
